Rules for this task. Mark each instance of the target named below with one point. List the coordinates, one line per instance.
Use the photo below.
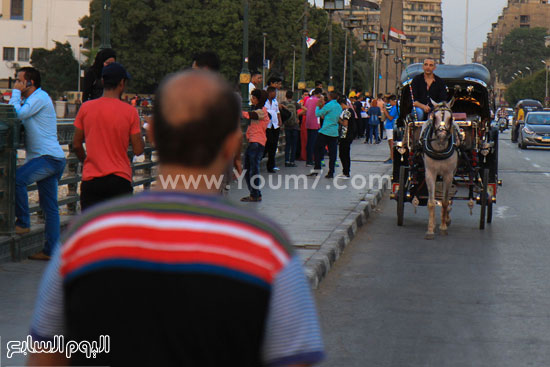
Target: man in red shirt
(107, 125)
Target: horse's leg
(445, 204)
(430, 184)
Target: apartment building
(29, 24)
(423, 24)
(517, 14)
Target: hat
(114, 73)
(352, 94)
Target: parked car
(536, 130)
(527, 105)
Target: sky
(482, 14)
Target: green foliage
(155, 37)
(533, 87)
(522, 47)
(58, 68)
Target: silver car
(536, 130)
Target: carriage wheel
(485, 182)
(403, 172)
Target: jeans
(310, 147)
(345, 155)
(419, 113)
(322, 141)
(252, 158)
(291, 136)
(46, 172)
(101, 189)
(271, 146)
(373, 133)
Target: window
(23, 54)
(524, 19)
(9, 54)
(16, 9)
(424, 29)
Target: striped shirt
(192, 279)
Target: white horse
(440, 159)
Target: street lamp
(351, 23)
(546, 97)
(398, 60)
(521, 73)
(263, 62)
(331, 6)
(293, 66)
(380, 46)
(302, 82)
(245, 73)
(530, 71)
(106, 25)
(367, 37)
(388, 52)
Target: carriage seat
(460, 116)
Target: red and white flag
(397, 35)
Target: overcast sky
(482, 14)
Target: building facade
(29, 24)
(517, 14)
(423, 24)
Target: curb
(318, 266)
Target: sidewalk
(320, 221)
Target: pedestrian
(374, 121)
(44, 157)
(391, 118)
(312, 125)
(292, 129)
(381, 104)
(179, 272)
(256, 81)
(347, 127)
(256, 136)
(328, 133)
(208, 60)
(91, 85)
(302, 113)
(107, 125)
(273, 129)
(365, 105)
(318, 85)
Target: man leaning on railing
(45, 159)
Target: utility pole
(245, 73)
(466, 33)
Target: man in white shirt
(256, 81)
(272, 131)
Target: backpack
(285, 114)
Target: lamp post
(302, 82)
(367, 37)
(546, 97)
(397, 61)
(263, 62)
(293, 65)
(106, 25)
(388, 52)
(352, 23)
(79, 66)
(520, 73)
(331, 6)
(529, 69)
(245, 73)
(380, 46)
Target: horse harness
(426, 141)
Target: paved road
(474, 298)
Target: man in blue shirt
(45, 160)
(328, 133)
(391, 116)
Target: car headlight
(527, 130)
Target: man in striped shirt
(178, 276)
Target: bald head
(196, 111)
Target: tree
(58, 68)
(522, 47)
(533, 87)
(155, 37)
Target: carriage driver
(427, 87)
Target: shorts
(389, 134)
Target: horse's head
(442, 117)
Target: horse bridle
(442, 126)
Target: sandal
(250, 199)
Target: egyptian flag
(383, 34)
(397, 35)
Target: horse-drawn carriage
(465, 123)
